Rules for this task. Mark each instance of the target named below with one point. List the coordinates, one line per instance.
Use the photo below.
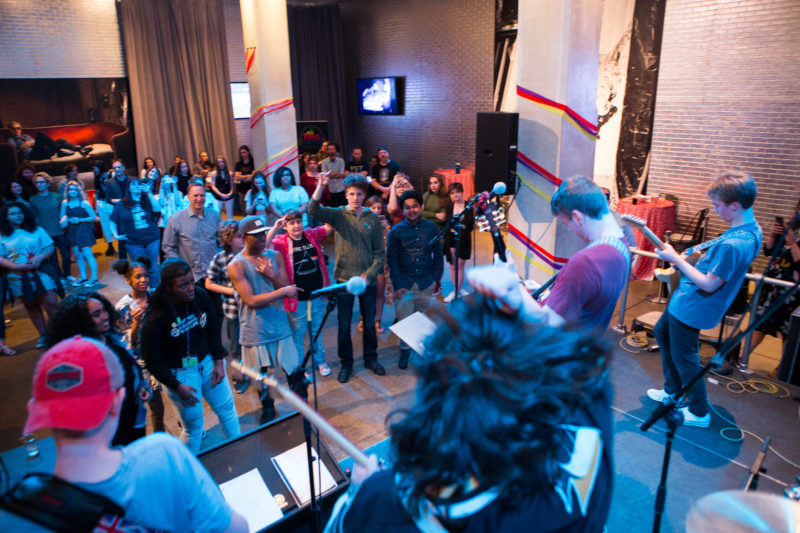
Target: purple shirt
(586, 290)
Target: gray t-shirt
(161, 485)
(266, 324)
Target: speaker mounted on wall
(496, 150)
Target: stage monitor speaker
(496, 151)
(255, 450)
(789, 370)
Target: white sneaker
(463, 292)
(324, 369)
(657, 395)
(693, 420)
(450, 297)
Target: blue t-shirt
(727, 260)
(161, 485)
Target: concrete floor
(703, 460)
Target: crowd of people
(208, 290)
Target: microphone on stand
(355, 286)
(499, 189)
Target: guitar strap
(740, 234)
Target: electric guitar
(671, 276)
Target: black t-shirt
(354, 167)
(244, 168)
(385, 174)
(307, 274)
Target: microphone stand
(309, 431)
(669, 410)
(456, 223)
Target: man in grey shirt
(335, 166)
(191, 234)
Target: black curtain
(317, 56)
(639, 104)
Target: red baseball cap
(73, 386)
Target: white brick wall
(60, 39)
(728, 99)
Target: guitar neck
(641, 225)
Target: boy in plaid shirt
(217, 280)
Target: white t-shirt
(22, 246)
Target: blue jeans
(299, 324)
(151, 252)
(366, 302)
(219, 398)
(680, 360)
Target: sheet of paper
(292, 465)
(249, 496)
(414, 330)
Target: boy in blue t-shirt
(706, 291)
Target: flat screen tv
(240, 96)
(380, 96)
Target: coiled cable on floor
(636, 340)
(753, 386)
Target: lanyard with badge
(189, 361)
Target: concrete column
(273, 131)
(557, 65)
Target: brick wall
(445, 51)
(60, 39)
(236, 68)
(728, 99)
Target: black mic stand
(308, 430)
(456, 223)
(669, 410)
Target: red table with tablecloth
(464, 178)
(660, 217)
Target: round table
(660, 217)
(464, 178)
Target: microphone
(355, 286)
(499, 189)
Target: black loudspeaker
(255, 449)
(789, 370)
(496, 151)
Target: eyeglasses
(39, 182)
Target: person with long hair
(458, 258)
(18, 191)
(135, 221)
(130, 311)
(435, 200)
(220, 181)
(147, 166)
(243, 174)
(24, 247)
(78, 217)
(184, 175)
(286, 195)
(510, 416)
(182, 348)
(170, 199)
(257, 199)
(103, 209)
(92, 315)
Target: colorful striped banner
(533, 187)
(550, 259)
(529, 163)
(571, 116)
(260, 111)
(282, 158)
(249, 55)
(530, 260)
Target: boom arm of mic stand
(310, 415)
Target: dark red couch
(108, 140)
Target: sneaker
(450, 297)
(657, 395)
(324, 369)
(79, 282)
(42, 343)
(91, 283)
(690, 419)
(437, 290)
(240, 387)
(463, 292)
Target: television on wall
(240, 96)
(380, 96)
